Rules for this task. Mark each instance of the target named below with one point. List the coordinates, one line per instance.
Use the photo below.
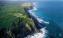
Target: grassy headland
(13, 17)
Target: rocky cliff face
(15, 23)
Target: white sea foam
(43, 32)
(32, 13)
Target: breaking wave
(43, 32)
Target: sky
(31, 0)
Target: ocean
(51, 11)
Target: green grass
(11, 13)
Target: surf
(43, 30)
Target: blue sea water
(51, 10)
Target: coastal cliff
(15, 22)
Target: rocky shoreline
(18, 22)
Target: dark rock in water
(41, 25)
